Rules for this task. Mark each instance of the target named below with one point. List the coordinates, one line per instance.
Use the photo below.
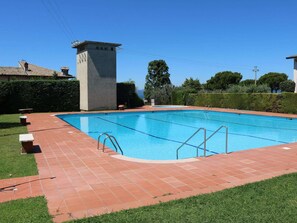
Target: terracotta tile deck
(80, 181)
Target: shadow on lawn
(6, 125)
(28, 123)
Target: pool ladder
(112, 139)
(205, 140)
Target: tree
(273, 80)
(162, 95)
(247, 82)
(156, 78)
(287, 86)
(222, 80)
(192, 85)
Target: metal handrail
(204, 141)
(98, 140)
(226, 145)
(112, 140)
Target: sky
(196, 38)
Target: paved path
(79, 181)
(22, 187)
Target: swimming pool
(156, 135)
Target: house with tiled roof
(26, 71)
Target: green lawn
(12, 163)
(273, 200)
(25, 210)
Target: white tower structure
(295, 70)
(96, 72)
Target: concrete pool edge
(126, 158)
(150, 109)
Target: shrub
(126, 95)
(262, 88)
(180, 96)
(162, 95)
(237, 89)
(283, 103)
(288, 103)
(41, 95)
(248, 89)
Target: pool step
(109, 152)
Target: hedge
(126, 95)
(54, 95)
(41, 95)
(281, 103)
(289, 103)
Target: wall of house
(295, 74)
(26, 78)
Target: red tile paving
(23, 187)
(87, 182)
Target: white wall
(295, 74)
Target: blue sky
(196, 38)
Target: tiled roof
(11, 71)
(33, 70)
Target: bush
(41, 95)
(262, 88)
(288, 103)
(248, 89)
(282, 103)
(237, 89)
(180, 96)
(162, 95)
(53, 95)
(126, 95)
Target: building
(295, 70)
(96, 72)
(26, 71)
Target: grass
(25, 210)
(273, 200)
(12, 163)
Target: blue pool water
(156, 135)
